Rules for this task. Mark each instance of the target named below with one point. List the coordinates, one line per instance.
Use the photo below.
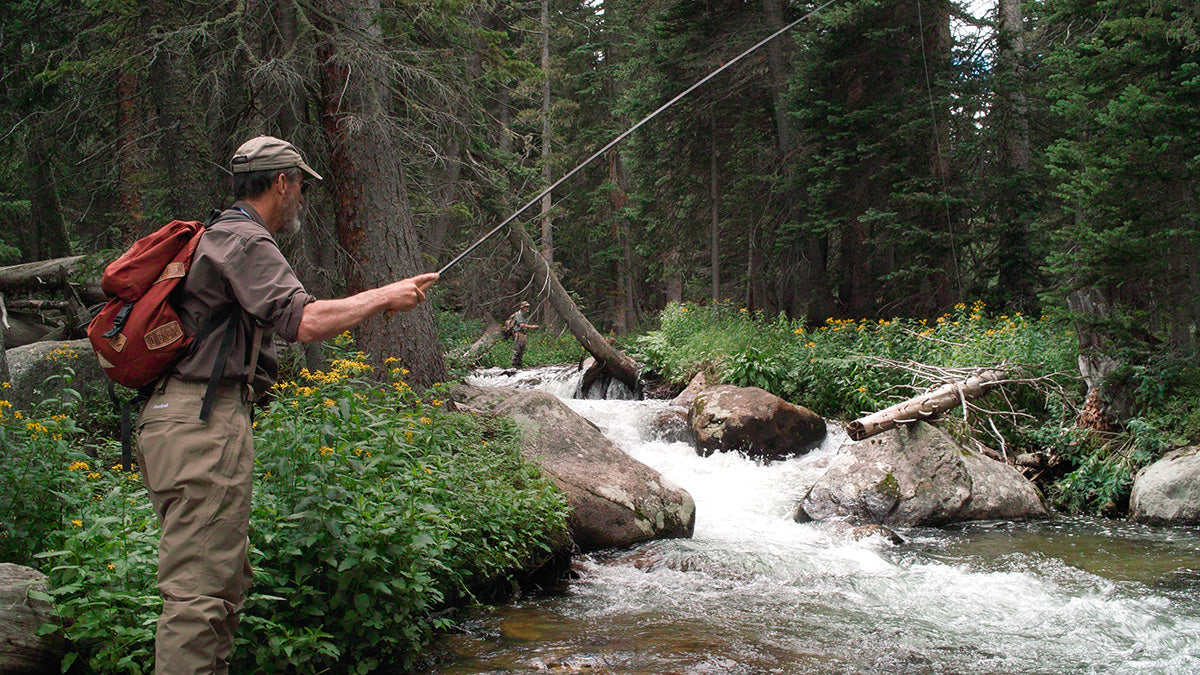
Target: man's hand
(403, 295)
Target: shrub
(374, 509)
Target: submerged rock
(917, 475)
(748, 419)
(615, 500)
(1168, 491)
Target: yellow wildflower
(390, 360)
(17, 415)
(324, 450)
(425, 420)
(78, 465)
(5, 404)
(329, 403)
(437, 401)
(77, 522)
(93, 475)
(111, 567)
(863, 389)
(5, 385)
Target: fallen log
(54, 275)
(925, 406)
(489, 337)
(614, 361)
(40, 275)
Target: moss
(889, 486)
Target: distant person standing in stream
(517, 324)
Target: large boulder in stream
(917, 475)
(615, 500)
(1168, 491)
(726, 418)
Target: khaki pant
(199, 477)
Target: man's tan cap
(267, 152)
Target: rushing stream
(754, 592)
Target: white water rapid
(754, 592)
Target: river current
(755, 592)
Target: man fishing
(517, 324)
(199, 473)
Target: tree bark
(925, 406)
(4, 375)
(46, 224)
(40, 275)
(616, 362)
(624, 309)
(814, 296)
(715, 221)
(374, 221)
(1017, 270)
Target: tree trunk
(616, 362)
(128, 152)
(813, 293)
(40, 275)
(374, 221)
(4, 375)
(715, 224)
(1104, 405)
(485, 341)
(925, 406)
(1017, 268)
(623, 309)
(47, 227)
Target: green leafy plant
(375, 509)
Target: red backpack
(137, 335)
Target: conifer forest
(880, 159)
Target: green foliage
(542, 347)
(1105, 465)
(33, 483)
(374, 509)
(829, 369)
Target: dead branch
(947, 388)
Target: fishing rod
(628, 131)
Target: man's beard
(291, 220)
(291, 227)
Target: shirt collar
(253, 216)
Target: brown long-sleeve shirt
(238, 261)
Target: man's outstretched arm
(324, 319)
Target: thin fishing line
(629, 131)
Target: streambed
(754, 592)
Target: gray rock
(917, 475)
(615, 500)
(748, 419)
(685, 397)
(1168, 491)
(37, 369)
(22, 650)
